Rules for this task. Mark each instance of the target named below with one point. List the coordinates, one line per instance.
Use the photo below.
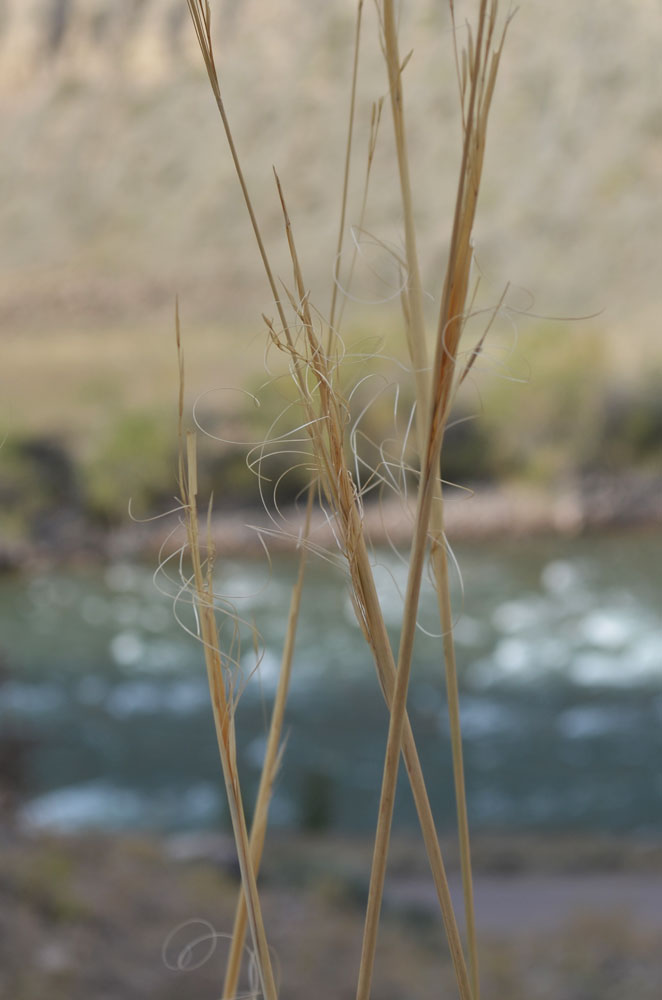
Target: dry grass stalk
(326, 418)
(269, 767)
(477, 92)
(314, 369)
(348, 159)
(201, 16)
(222, 700)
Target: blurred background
(118, 194)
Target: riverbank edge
(119, 916)
(592, 504)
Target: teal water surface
(560, 656)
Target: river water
(560, 655)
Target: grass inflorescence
(341, 463)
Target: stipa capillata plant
(326, 440)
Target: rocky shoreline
(592, 504)
(113, 917)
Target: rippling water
(560, 653)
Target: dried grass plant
(325, 441)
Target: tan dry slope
(109, 201)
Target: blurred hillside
(118, 192)
(117, 189)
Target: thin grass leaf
(348, 155)
(222, 705)
(450, 329)
(270, 765)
